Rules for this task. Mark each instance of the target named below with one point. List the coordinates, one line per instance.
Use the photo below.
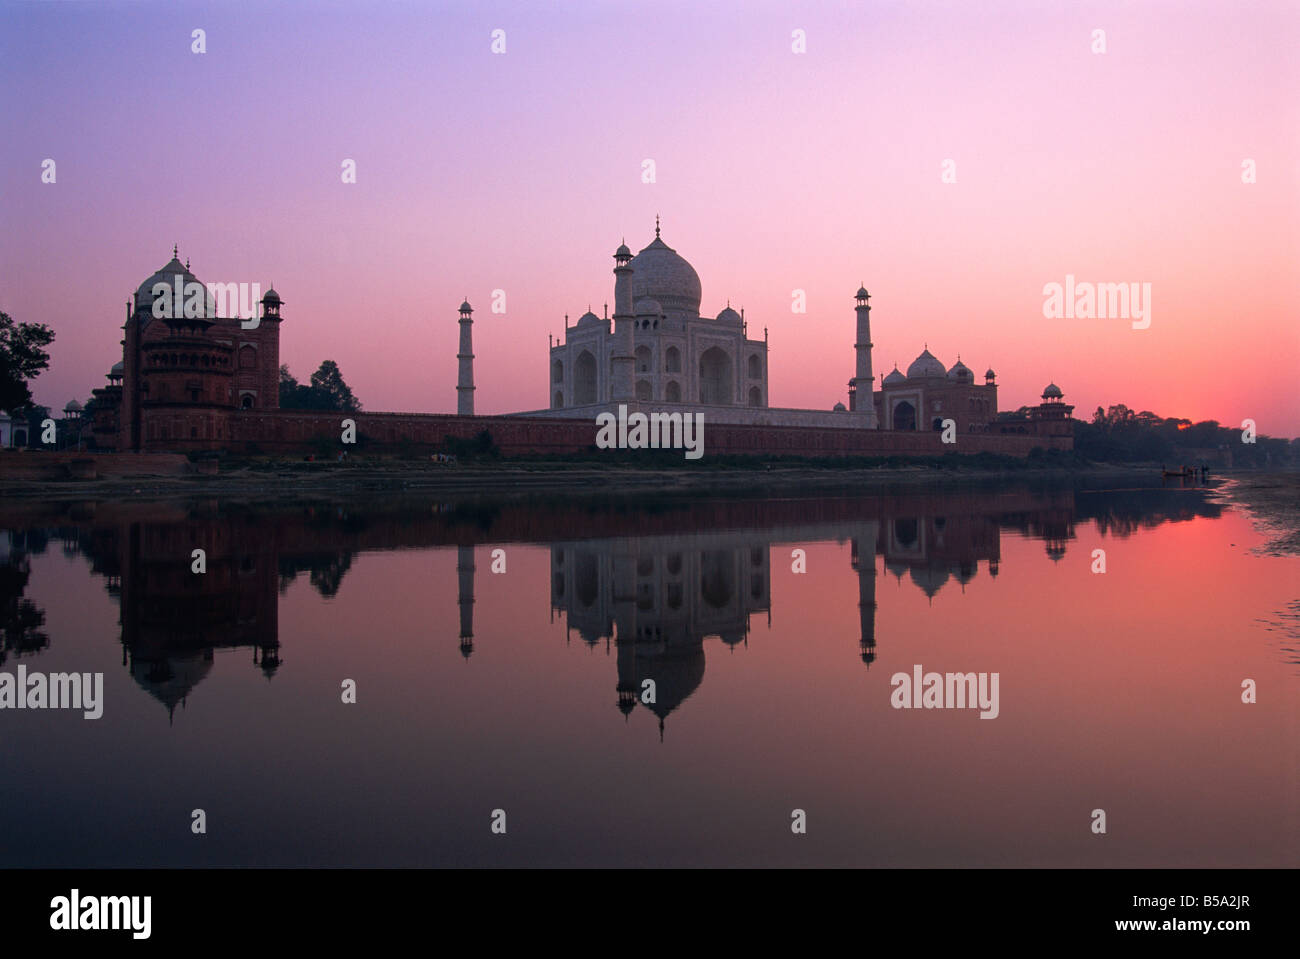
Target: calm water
(520, 689)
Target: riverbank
(1273, 502)
(281, 479)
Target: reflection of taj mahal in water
(657, 592)
(658, 600)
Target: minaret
(863, 381)
(465, 382)
(465, 597)
(623, 358)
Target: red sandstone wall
(289, 431)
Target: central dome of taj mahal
(658, 273)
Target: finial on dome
(656, 226)
(187, 263)
(175, 252)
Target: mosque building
(180, 377)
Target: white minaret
(623, 358)
(465, 358)
(863, 381)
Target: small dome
(588, 319)
(648, 306)
(1052, 391)
(728, 315)
(72, 407)
(862, 293)
(840, 408)
(960, 371)
(989, 374)
(466, 308)
(895, 377)
(118, 369)
(925, 365)
(271, 296)
(622, 250)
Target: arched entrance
(716, 377)
(584, 379)
(905, 416)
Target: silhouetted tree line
(1119, 435)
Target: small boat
(1185, 473)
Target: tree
(288, 387)
(22, 358)
(329, 380)
(327, 391)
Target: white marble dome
(588, 319)
(728, 315)
(960, 371)
(1052, 391)
(926, 365)
(659, 273)
(895, 377)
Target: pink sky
(775, 171)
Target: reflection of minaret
(623, 607)
(866, 570)
(627, 685)
(465, 583)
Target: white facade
(678, 356)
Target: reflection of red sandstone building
(181, 378)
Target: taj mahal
(660, 349)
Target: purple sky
(776, 171)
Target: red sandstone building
(182, 376)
